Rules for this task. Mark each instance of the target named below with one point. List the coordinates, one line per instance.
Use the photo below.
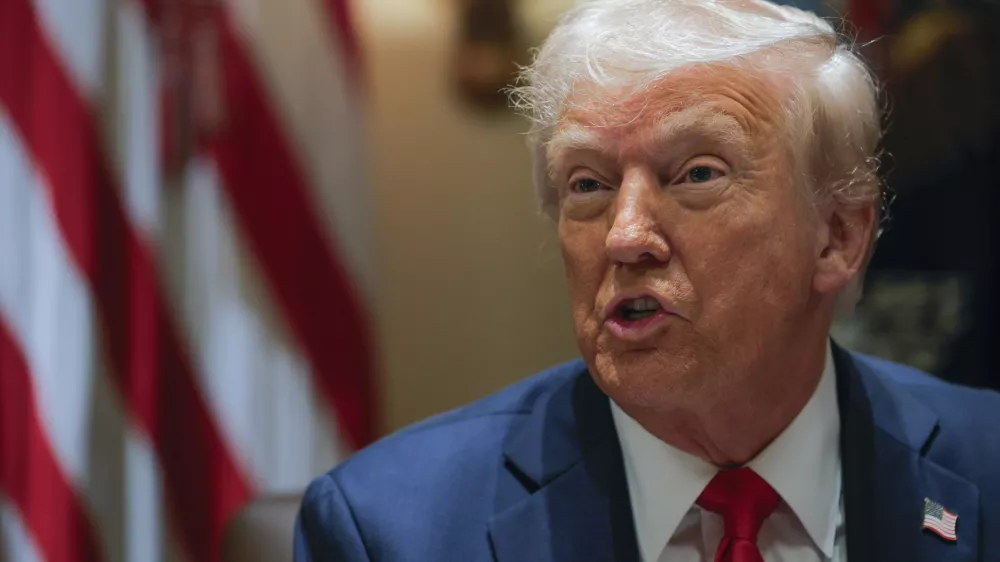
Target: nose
(635, 235)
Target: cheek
(584, 257)
(749, 267)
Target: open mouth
(634, 310)
(637, 318)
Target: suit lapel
(570, 501)
(886, 436)
(857, 448)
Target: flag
(939, 520)
(177, 334)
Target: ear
(844, 244)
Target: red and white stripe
(169, 351)
(944, 526)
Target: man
(711, 167)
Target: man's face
(688, 247)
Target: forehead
(724, 103)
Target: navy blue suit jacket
(535, 473)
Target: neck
(735, 426)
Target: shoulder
(469, 432)
(436, 479)
(966, 441)
(953, 403)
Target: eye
(586, 185)
(701, 174)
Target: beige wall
(471, 292)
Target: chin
(646, 378)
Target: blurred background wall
(470, 284)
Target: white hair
(832, 113)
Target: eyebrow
(691, 122)
(698, 121)
(575, 138)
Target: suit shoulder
(966, 441)
(949, 400)
(473, 432)
(425, 491)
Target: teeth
(644, 304)
(636, 309)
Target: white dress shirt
(802, 464)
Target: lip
(638, 330)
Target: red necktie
(744, 500)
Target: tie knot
(742, 498)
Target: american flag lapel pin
(939, 520)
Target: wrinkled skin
(686, 191)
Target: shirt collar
(663, 483)
(802, 464)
